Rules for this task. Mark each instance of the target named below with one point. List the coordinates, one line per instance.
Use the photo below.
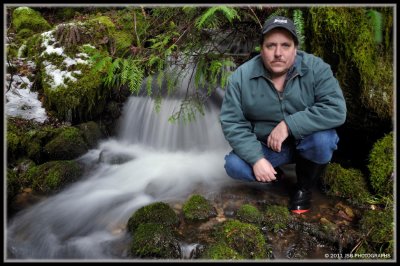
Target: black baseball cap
(281, 22)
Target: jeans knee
(325, 140)
(319, 147)
(236, 168)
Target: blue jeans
(317, 147)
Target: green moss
(221, 251)
(157, 212)
(249, 214)
(78, 98)
(27, 18)
(381, 166)
(91, 132)
(244, 238)
(123, 41)
(13, 146)
(354, 51)
(52, 176)
(68, 144)
(104, 20)
(33, 43)
(13, 184)
(152, 240)
(346, 183)
(378, 227)
(19, 140)
(24, 34)
(276, 217)
(197, 208)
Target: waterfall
(148, 160)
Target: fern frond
(125, 71)
(298, 21)
(377, 22)
(160, 79)
(149, 83)
(210, 18)
(101, 63)
(200, 73)
(135, 78)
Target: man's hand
(278, 136)
(264, 171)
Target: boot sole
(299, 211)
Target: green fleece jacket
(312, 100)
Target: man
(282, 107)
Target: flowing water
(150, 160)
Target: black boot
(307, 173)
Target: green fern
(120, 72)
(210, 18)
(377, 22)
(219, 71)
(149, 83)
(189, 107)
(298, 21)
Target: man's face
(278, 51)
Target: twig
(252, 11)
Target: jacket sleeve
(236, 128)
(328, 110)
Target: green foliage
(221, 251)
(362, 60)
(378, 227)
(67, 145)
(52, 176)
(119, 71)
(197, 208)
(244, 238)
(157, 212)
(276, 217)
(190, 106)
(249, 214)
(298, 21)
(28, 18)
(210, 18)
(152, 240)
(381, 166)
(346, 183)
(377, 24)
(213, 73)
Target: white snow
(22, 102)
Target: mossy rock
(244, 238)
(67, 145)
(381, 166)
(276, 217)
(27, 138)
(157, 212)
(346, 183)
(154, 240)
(13, 146)
(52, 176)
(75, 94)
(28, 18)
(91, 133)
(197, 208)
(363, 67)
(249, 214)
(378, 225)
(13, 184)
(221, 251)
